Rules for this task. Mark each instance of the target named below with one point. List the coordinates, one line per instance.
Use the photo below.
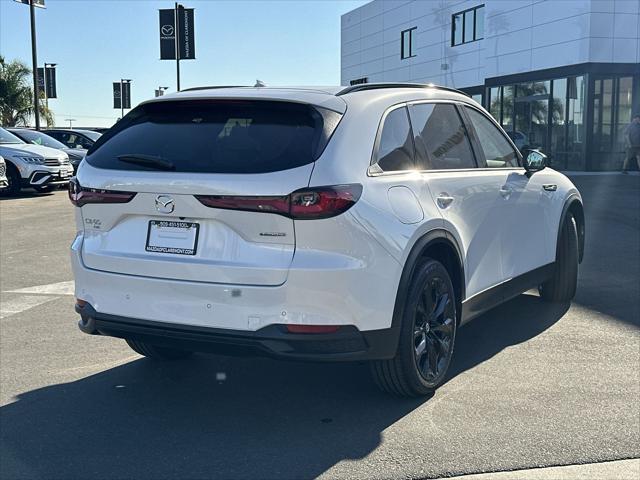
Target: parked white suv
(35, 166)
(358, 223)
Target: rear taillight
(316, 329)
(80, 195)
(304, 204)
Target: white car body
(36, 165)
(254, 270)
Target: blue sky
(96, 43)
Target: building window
(408, 43)
(359, 81)
(467, 26)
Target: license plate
(166, 236)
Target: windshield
(91, 134)
(39, 138)
(7, 137)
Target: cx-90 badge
(165, 204)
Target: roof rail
(375, 86)
(212, 87)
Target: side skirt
(494, 296)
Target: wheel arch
(573, 205)
(437, 244)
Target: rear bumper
(347, 344)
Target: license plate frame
(191, 246)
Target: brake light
(292, 328)
(80, 195)
(304, 204)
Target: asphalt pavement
(532, 384)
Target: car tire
(427, 336)
(157, 353)
(45, 189)
(13, 177)
(561, 287)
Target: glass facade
(578, 121)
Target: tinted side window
(395, 148)
(496, 150)
(441, 139)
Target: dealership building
(559, 75)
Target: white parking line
(19, 304)
(60, 288)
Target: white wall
(520, 36)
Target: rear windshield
(213, 136)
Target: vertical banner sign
(126, 94)
(50, 82)
(185, 31)
(41, 81)
(186, 39)
(167, 35)
(36, 3)
(47, 81)
(116, 95)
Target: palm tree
(16, 95)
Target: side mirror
(534, 160)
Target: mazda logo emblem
(165, 204)
(167, 30)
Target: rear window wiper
(150, 161)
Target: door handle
(506, 191)
(444, 200)
(550, 187)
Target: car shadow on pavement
(26, 194)
(222, 417)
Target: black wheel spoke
(441, 306)
(445, 328)
(433, 358)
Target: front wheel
(562, 286)
(427, 336)
(157, 353)
(13, 178)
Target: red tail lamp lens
(304, 204)
(312, 328)
(80, 195)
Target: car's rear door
(207, 178)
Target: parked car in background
(357, 223)
(76, 155)
(29, 165)
(74, 138)
(3, 174)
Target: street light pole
(34, 59)
(175, 34)
(70, 120)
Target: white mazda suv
(330, 224)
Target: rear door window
(217, 136)
(395, 151)
(441, 138)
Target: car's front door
(524, 227)
(467, 197)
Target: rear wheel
(427, 336)
(13, 177)
(157, 353)
(562, 286)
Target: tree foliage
(16, 95)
